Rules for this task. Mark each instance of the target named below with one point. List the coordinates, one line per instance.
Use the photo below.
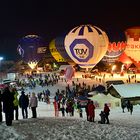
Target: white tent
(101, 99)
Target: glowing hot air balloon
(59, 44)
(86, 45)
(54, 52)
(133, 44)
(117, 45)
(125, 60)
(114, 51)
(31, 49)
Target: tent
(101, 99)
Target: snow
(126, 90)
(123, 126)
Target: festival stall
(100, 99)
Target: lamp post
(1, 58)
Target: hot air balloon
(125, 60)
(133, 44)
(86, 45)
(59, 44)
(54, 52)
(117, 45)
(31, 49)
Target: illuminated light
(54, 65)
(122, 68)
(1, 58)
(114, 67)
(32, 64)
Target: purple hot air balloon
(31, 48)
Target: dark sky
(50, 18)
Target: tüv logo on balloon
(81, 49)
(86, 45)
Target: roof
(128, 90)
(103, 97)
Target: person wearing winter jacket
(23, 103)
(33, 103)
(91, 111)
(16, 103)
(102, 115)
(7, 99)
(106, 111)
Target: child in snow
(102, 115)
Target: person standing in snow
(86, 109)
(128, 105)
(123, 105)
(56, 109)
(106, 111)
(102, 115)
(33, 104)
(131, 108)
(23, 103)
(7, 99)
(91, 111)
(80, 110)
(16, 103)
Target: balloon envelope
(32, 47)
(54, 52)
(114, 51)
(86, 45)
(133, 43)
(125, 60)
(117, 45)
(59, 44)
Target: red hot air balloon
(117, 45)
(125, 60)
(133, 44)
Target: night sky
(51, 18)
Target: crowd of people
(10, 103)
(127, 104)
(73, 98)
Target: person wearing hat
(8, 105)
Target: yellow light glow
(32, 64)
(122, 68)
(113, 67)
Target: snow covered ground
(123, 126)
